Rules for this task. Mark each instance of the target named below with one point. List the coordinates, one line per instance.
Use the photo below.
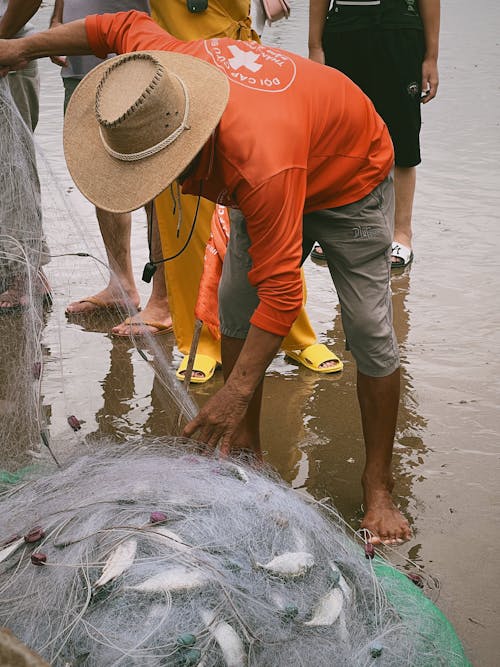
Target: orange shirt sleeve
(125, 32)
(273, 214)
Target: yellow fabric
(183, 274)
(222, 18)
(229, 18)
(301, 334)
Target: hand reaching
(218, 421)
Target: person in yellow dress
(180, 215)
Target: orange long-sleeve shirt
(295, 137)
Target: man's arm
(318, 9)
(218, 422)
(430, 11)
(17, 14)
(70, 39)
(274, 224)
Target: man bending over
(298, 153)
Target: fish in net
(150, 554)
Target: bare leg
(404, 187)
(378, 400)
(121, 289)
(156, 313)
(249, 432)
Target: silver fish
(174, 579)
(289, 564)
(228, 639)
(10, 548)
(328, 608)
(168, 537)
(343, 585)
(241, 473)
(118, 562)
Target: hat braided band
(156, 148)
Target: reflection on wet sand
(130, 406)
(118, 392)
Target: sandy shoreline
(447, 318)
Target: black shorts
(387, 66)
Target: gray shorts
(70, 83)
(25, 88)
(356, 240)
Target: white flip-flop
(403, 255)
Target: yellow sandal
(314, 355)
(202, 364)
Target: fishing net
(22, 287)
(32, 335)
(152, 554)
(21, 237)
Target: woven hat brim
(118, 186)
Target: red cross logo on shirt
(244, 59)
(252, 65)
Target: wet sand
(446, 317)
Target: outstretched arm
(430, 12)
(17, 14)
(70, 39)
(318, 9)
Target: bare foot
(402, 253)
(17, 295)
(154, 319)
(200, 375)
(106, 299)
(317, 252)
(203, 368)
(329, 364)
(13, 299)
(383, 519)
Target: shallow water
(446, 316)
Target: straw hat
(135, 122)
